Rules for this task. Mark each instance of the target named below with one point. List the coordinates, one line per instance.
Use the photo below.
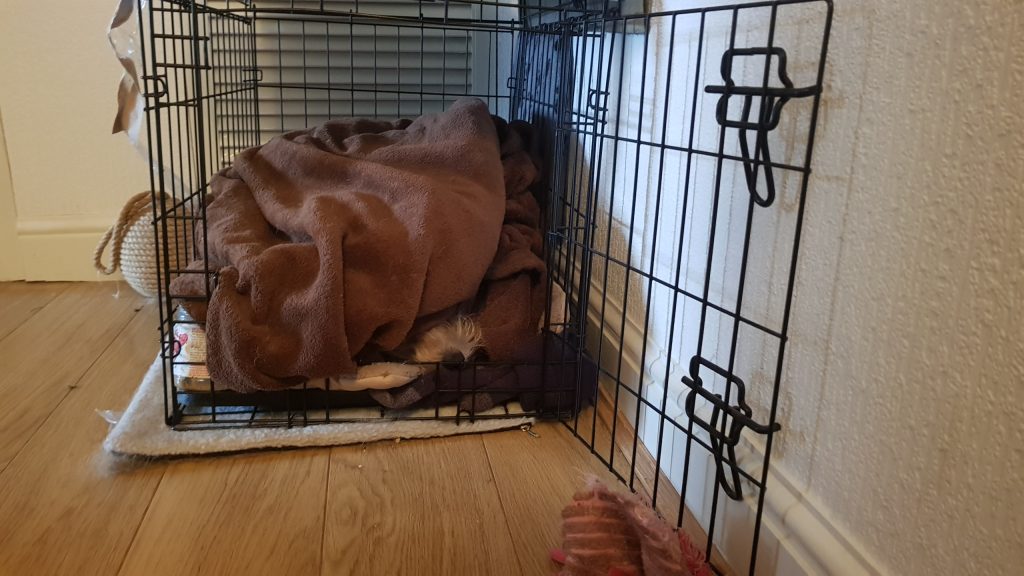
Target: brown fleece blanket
(543, 373)
(344, 238)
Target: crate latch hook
(770, 100)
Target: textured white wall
(906, 371)
(58, 82)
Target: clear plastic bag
(125, 39)
(190, 372)
(111, 416)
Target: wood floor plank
(19, 301)
(258, 513)
(44, 358)
(536, 478)
(466, 505)
(65, 506)
(426, 507)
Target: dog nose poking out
(453, 357)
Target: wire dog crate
(677, 140)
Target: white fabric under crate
(141, 431)
(379, 376)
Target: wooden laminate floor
(480, 505)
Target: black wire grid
(678, 145)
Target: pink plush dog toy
(606, 533)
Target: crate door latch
(771, 99)
(729, 416)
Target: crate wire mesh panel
(683, 202)
(231, 75)
(678, 144)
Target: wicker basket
(133, 246)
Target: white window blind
(312, 71)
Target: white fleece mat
(141, 430)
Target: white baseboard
(798, 535)
(807, 539)
(60, 250)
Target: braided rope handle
(136, 207)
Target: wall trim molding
(80, 225)
(60, 249)
(808, 540)
(804, 527)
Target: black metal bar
(735, 490)
(707, 281)
(376, 91)
(351, 70)
(791, 280)
(175, 66)
(181, 158)
(699, 152)
(157, 197)
(684, 483)
(280, 87)
(258, 78)
(305, 82)
(598, 169)
(765, 91)
(189, 7)
(181, 37)
(576, 185)
(376, 111)
(330, 70)
(607, 250)
(650, 291)
(629, 257)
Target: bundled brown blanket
(342, 239)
